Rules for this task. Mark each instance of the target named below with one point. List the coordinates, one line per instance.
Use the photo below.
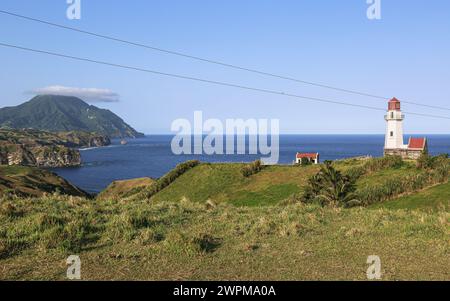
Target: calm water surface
(152, 156)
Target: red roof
(394, 104)
(394, 100)
(307, 155)
(417, 143)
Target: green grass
(274, 184)
(434, 198)
(31, 181)
(13, 170)
(189, 241)
(270, 196)
(246, 230)
(385, 174)
(225, 183)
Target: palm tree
(331, 187)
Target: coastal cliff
(44, 149)
(40, 156)
(34, 182)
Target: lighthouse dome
(394, 104)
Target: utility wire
(214, 61)
(207, 80)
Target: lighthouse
(394, 128)
(394, 144)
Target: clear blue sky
(405, 54)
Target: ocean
(152, 156)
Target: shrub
(304, 162)
(10, 210)
(46, 221)
(426, 161)
(330, 187)
(149, 236)
(399, 185)
(207, 243)
(374, 165)
(169, 178)
(75, 236)
(252, 168)
(377, 164)
(355, 173)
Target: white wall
(395, 126)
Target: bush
(10, 210)
(395, 186)
(374, 165)
(357, 172)
(378, 164)
(169, 178)
(305, 162)
(426, 161)
(207, 243)
(330, 187)
(252, 168)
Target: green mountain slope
(64, 113)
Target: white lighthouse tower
(394, 129)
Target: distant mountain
(65, 113)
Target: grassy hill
(435, 198)
(210, 222)
(62, 114)
(29, 181)
(225, 183)
(125, 188)
(274, 184)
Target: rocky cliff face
(44, 149)
(83, 139)
(40, 156)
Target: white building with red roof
(311, 157)
(394, 143)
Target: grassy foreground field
(187, 240)
(211, 222)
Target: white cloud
(87, 94)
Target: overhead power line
(262, 90)
(185, 55)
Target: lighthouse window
(392, 114)
(392, 134)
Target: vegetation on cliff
(125, 188)
(44, 149)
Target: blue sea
(152, 156)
